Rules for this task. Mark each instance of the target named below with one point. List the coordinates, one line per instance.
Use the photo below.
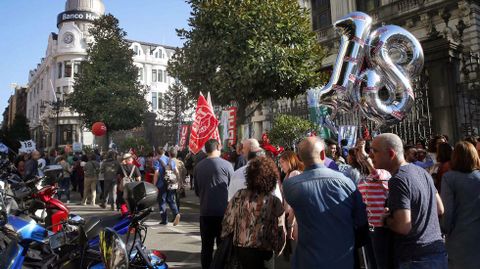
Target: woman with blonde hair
(461, 199)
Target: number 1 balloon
(353, 29)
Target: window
(59, 70)
(159, 54)
(67, 134)
(41, 85)
(159, 75)
(76, 68)
(154, 100)
(154, 75)
(136, 50)
(140, 74)
(158, 101)
(68, 69)
(321, 16)
(367, 5)
(161, 105)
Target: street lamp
(56, 105)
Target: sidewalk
(190, 198)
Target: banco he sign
(76, 16)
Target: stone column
(442, 65)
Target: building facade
(447, 92)
(51, 122)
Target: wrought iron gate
(417, 126)
(468, 95)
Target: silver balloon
(385, 94)
(354, 30)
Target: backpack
(126, 178)
(170, 176)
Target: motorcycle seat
(94, 225)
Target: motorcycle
(140, 196)
(87, 249)
(35, 197)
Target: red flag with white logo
(183, 136)
(204, 125)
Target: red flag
(183, 136)
(203, 127)
(216, 133)
(135, 157)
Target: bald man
(413, 205)
(328, 209)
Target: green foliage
(136, 143)
(19, 131)
(248, 51)
(107, 88)
(178, 107)
(288, 130)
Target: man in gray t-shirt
(212, 176)
(413, 207)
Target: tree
(178, 108)
(248, 51)
(18, 131)
(287, 130)
(135, 143)
(107, 88)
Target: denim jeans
(166, 197)
(64, 185)
(436, 261)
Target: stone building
(448, 91)
(17, 105)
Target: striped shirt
(374, 190)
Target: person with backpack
(127, 172)
(109, 169)
(166, 179)
(91, 170)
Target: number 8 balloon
(394, 57)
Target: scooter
(84, 250)
(36, 197)
(140, 196)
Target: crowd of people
(99, 178)
(379, 204)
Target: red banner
(183, 136)
(204, 126)
(232, 126)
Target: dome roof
(95, 6)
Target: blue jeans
(166, 196)
(436, 261)
(64, 185)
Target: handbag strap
(133, 170)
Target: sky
(25, 26)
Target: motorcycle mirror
(113, 251)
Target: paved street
(182, 243)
